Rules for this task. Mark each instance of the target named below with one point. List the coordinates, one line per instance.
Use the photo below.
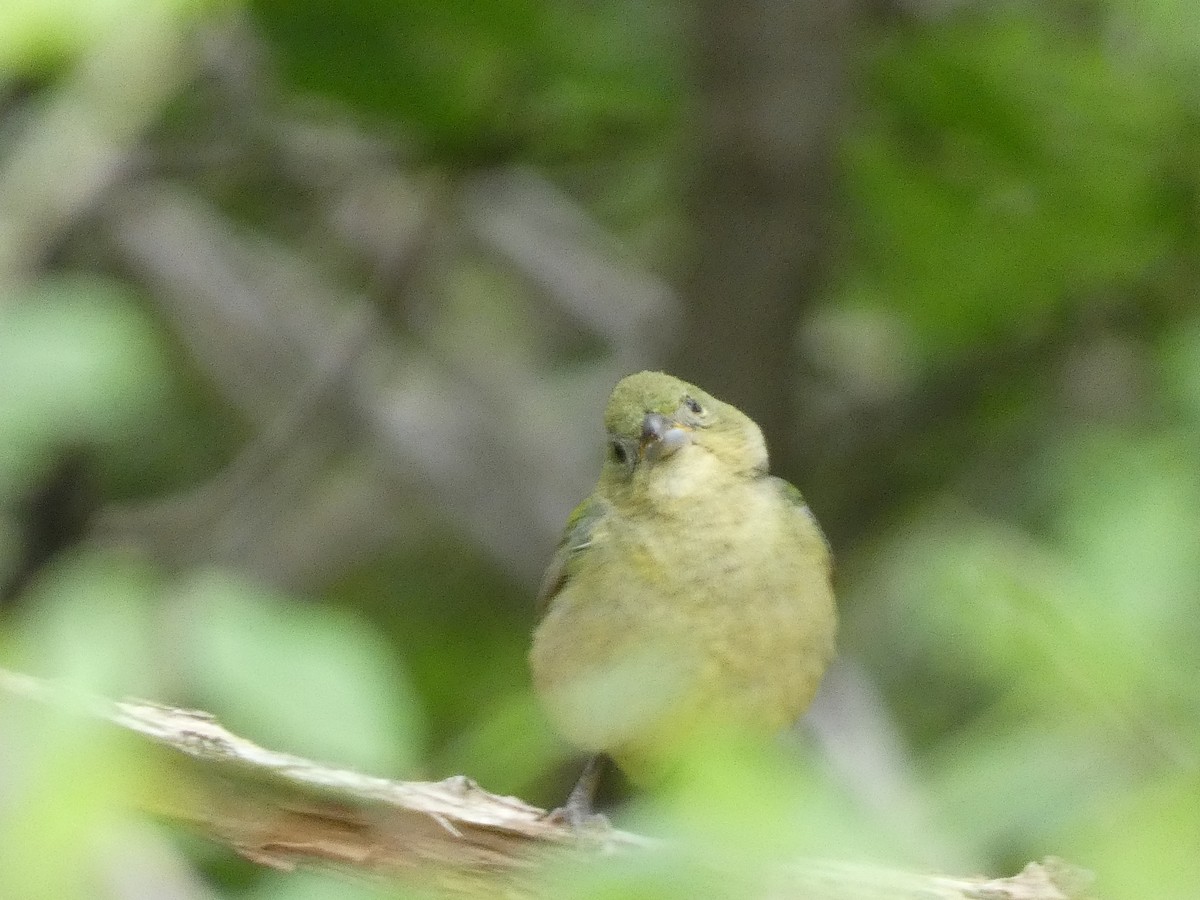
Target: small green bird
(690, 591)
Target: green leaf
(298, 677)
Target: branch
(284, 812)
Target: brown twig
(285, 811)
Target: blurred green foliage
(1024, 175)
(484, 83)
(1013, 171)
(79, 363)
(36, 35)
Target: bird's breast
(718, 600)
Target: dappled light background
(308, 313)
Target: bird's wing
(577, 537)
(795, 500)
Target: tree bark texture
(762, 202)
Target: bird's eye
(619, 453)
(694, 405)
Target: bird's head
(656, 421)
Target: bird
(691, 590)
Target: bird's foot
(579, 819)
(579, 813)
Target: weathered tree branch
(284, 811)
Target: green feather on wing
(577, 536)
(792, 494)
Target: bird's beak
(661, 437)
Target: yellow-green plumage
(691, 589)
